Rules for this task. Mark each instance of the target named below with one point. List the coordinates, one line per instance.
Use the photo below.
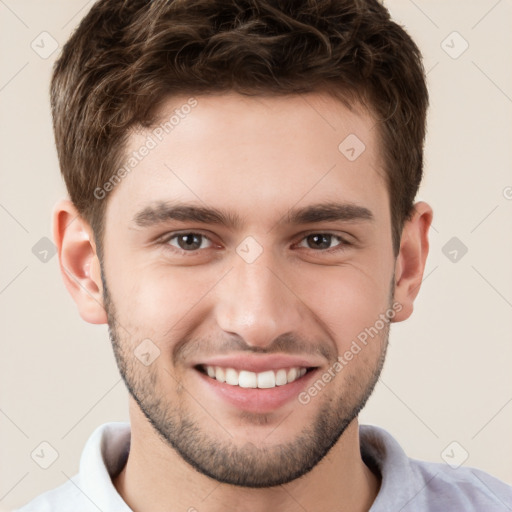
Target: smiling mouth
(247, 379)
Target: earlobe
(79, 263)
(411, 260)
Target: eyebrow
(160, 212)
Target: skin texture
(257, 158)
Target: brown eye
(189, 241)
(320, 241)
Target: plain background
(448, 374)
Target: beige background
(448, 373)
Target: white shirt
(408, 485)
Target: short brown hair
(127, 57)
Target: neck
(341, 481)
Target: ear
(410, 262)
(79, 263)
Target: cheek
(347, 300)
(157, 299)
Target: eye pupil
(189, 241)
(320, 241)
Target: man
(242, 177)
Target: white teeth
(281, 379)
(231, 377)
(292, 374)
(266, 379)
(219, 374)
(262, 380)
(247, 379)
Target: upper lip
(260, 363)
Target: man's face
(275, 286)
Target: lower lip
(255, 399)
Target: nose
(257, 302)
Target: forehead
(256, 155)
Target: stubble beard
(247, 465)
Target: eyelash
(342, 245)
